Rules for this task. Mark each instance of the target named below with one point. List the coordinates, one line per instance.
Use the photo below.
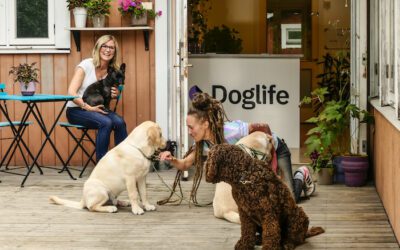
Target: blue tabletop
(37, 98)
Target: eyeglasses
(107, 47)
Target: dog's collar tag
(244, 182)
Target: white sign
(263, 89)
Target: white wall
(161, 60)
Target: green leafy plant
(25, 73)
(136, 9)
(72, 4)
(333, 112)
(98, 7)
(222, 40)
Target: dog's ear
(154, 137)
(213, 163)
(270, 147)
(122, 67)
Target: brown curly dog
(263, 200)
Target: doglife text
(251, 97)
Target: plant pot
(355, 170)
(28, 89)
(325, 176)
(99, 21)
(139, 20)
(80, 16)
(338, 169)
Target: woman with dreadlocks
(206, 121)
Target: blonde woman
(105, 55)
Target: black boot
(298, 188)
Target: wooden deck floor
(353, 218)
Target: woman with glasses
(105, 55)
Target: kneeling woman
(205, 121)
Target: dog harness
(260, 155)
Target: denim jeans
(104, 123)
(285, 163)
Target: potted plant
(334, 110)
(98, 10)
(26, 74)
(79, 10)
(138, 10)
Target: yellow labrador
(224, 205)
(123, 168)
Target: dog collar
(150, 158)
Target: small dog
(262, 198)
(99, 93)
(124, 167)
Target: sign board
(254, 89)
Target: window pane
(289, 27)
(32, 19)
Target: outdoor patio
(352, 217)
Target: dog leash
(152, 159)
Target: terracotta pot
(325, 176)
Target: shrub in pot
(26, 75)
(79, 10)
(333, 110)
(97, 10)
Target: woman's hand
(166, 156)
(114, 92)
(98, 108)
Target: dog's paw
(149, 207)
(137, 210)
(112, 209)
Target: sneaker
(308, 186)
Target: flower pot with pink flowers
(139, 11)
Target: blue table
(32, 108)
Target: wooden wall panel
(56, 70)
(387, 168)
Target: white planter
(99, 21)
(80, 15)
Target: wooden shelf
(76, 32)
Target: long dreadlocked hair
(204, 108)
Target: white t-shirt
(90, 77)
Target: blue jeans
(285, 163)
(103, 123)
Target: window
(34, 26)
(385, 52)
(291, 35)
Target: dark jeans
(103, 123)
(285, 163)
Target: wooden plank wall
(387, 168)
(56, 70)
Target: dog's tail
(314, 231)
(67, 203)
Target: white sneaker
(308, 183)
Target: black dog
(100, 92)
